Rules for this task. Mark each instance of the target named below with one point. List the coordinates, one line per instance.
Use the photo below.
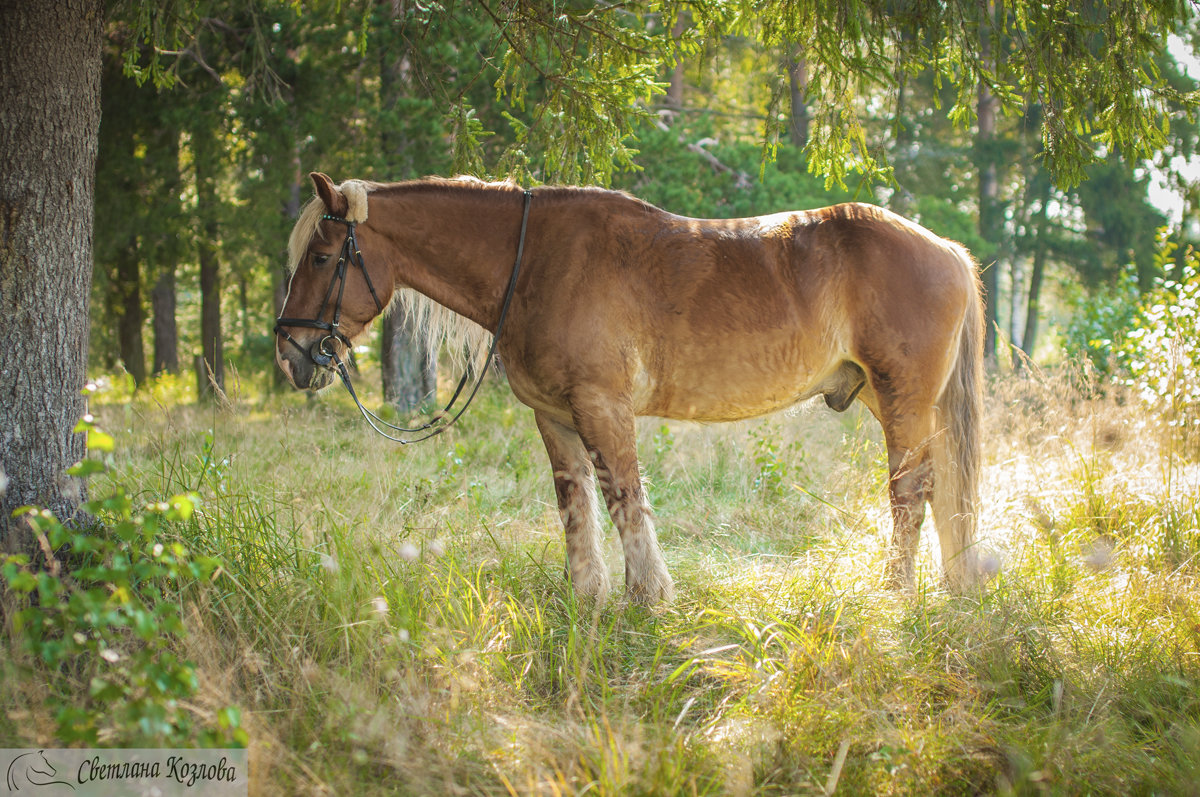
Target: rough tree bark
(49, 123)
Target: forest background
(251, 569)
(702, 114)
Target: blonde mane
(435, 325)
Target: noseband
(324, 353)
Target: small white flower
(409, 552)
(402, 635)
(110, 655)
(379, 606)
(158, 549)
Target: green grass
(394, 619)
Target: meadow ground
(394, 619)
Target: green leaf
(21, 581)
(98, 440)
(85, 468)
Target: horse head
(333, 294)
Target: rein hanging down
(323, 353)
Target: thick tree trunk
(212, 367)
(49, 122)
(166, 332)
(985, 157)
(129, 328)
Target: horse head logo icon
(33, 770)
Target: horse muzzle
(307, 369)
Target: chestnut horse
(622, 310)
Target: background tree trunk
(204, 151)
(797, 69)
(291, 210)
(129, 328)
(409, 376)
(1033, 302)
(989, 184)
(407, 369)
(166, 332)
(49, 122)
(674, 97)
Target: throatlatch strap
(438, 423)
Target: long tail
(957, 450)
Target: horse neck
(454, 244)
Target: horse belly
(730, 384)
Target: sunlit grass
(394, 619)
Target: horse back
(723, 319)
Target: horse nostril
(286, 367)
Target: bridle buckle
(320, 354)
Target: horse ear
(335, 203)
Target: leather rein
(323, 353)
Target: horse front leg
(575, 489)
(607, 430)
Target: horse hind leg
(910, 487)
(575, 489)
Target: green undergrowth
(395, 620)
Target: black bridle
(323, 352)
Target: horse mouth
(305, 375)
(321, 378)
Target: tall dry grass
(394, 620)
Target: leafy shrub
(100, 609)
(1160, 353)
(1100, 320)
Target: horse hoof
(900, 578)
(658, 591)
(593, 583)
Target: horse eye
(320, 260)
